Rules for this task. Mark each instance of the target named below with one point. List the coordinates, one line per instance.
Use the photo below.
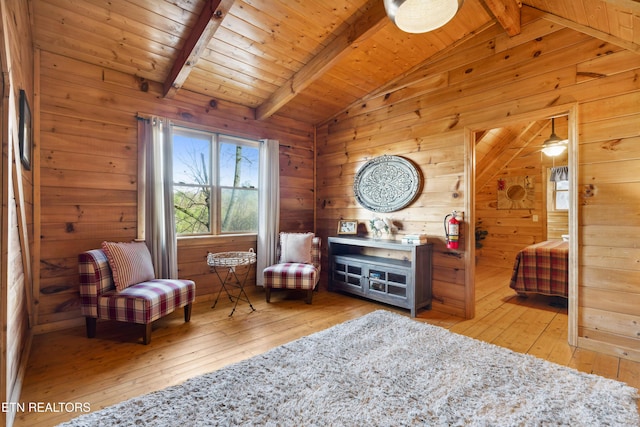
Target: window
(561, 195)
(215, 183)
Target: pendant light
(421, 16)
(554, 145)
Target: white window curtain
(155, 194)
(268, 206)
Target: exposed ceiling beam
(374, 17)
(632, 5)
(617, 41)
(507, 12)
(195, 44)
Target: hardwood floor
(65, 366)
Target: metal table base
(230, 282)
(233, 280)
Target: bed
(542, 269)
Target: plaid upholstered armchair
(298, 267)
(117, 283)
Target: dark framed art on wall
(25, 135)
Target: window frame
(215, 139)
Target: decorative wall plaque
(516, 192)
(387, 184)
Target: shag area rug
(383, 369)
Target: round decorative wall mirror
(516, 192)
(387, 184)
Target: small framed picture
(24, 133)
(348, 226)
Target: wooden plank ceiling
(308, 60)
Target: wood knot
(588, 191)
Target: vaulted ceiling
(308, 60)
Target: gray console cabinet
(364, 267)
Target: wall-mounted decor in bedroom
(24, 133)
(387, 184)
(516, 192)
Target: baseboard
(58, 326)
(610, 349)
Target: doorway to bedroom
(521, 199)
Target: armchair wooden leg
(309, 296)
(91, 326)
(146, 339)
(267, 294)
(187, 312)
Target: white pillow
(130, 263)
(295, 247)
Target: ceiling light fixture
(421, 16)
(554, 145)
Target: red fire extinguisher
(452, 230)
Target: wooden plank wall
(609, 293)
(492, 77)
(16, 62)
(89, 173)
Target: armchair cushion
(130, 263)
(146, 301)
(291, 275)
(295, 247)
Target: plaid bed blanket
(543, 269)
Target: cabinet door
(347, 275)
(384, 281)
